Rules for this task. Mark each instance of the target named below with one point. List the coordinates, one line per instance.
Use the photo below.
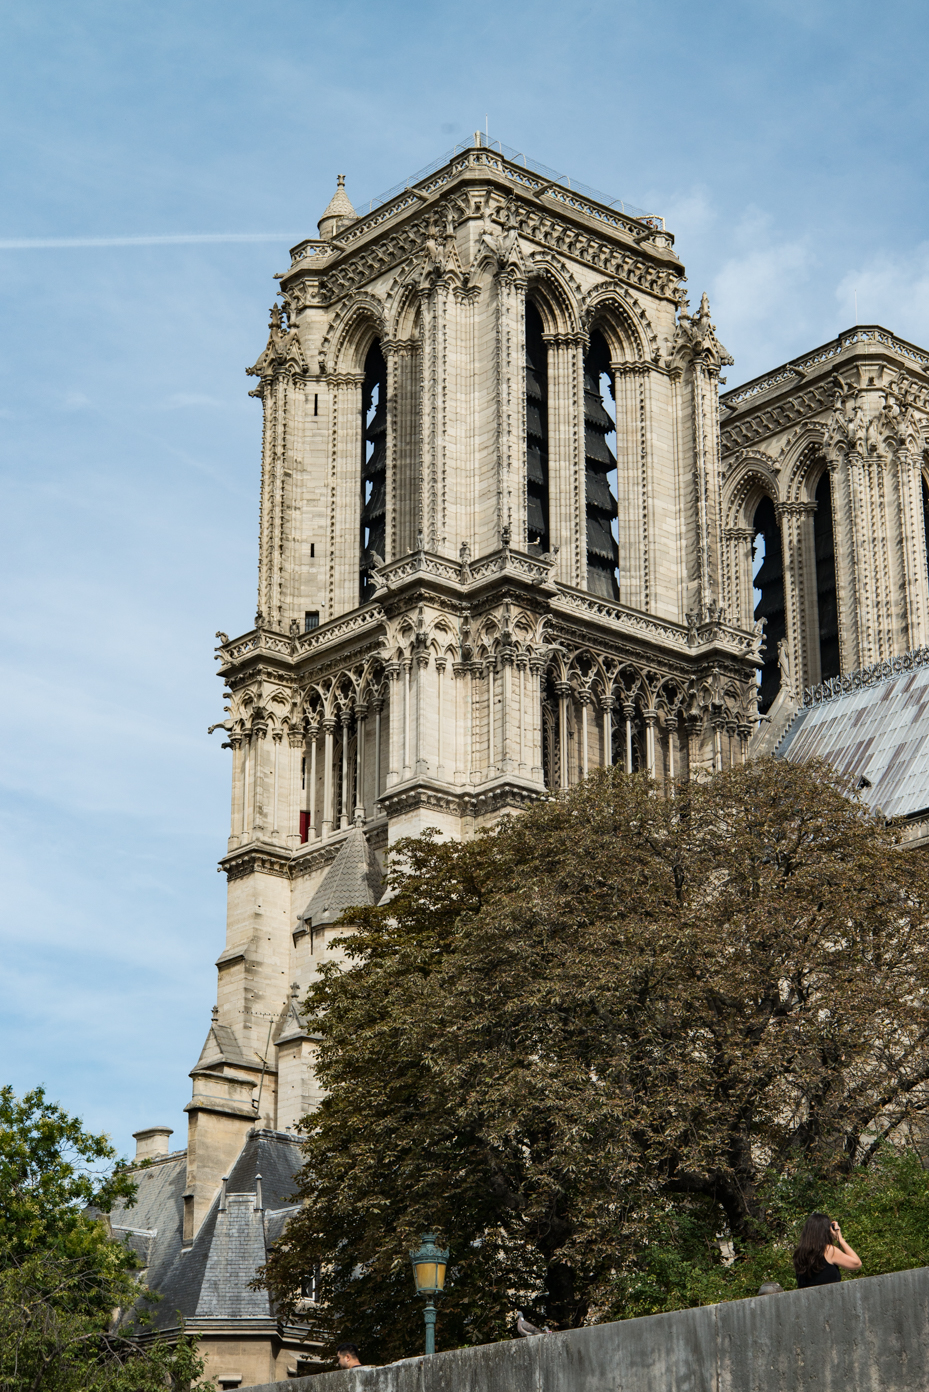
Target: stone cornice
(474, 801)
(553, 217)
(863, 340)
(255, 859)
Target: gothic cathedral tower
(490, 561)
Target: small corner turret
(337, 213)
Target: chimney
(151, 1142)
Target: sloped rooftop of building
(872, 726)
(352, 878)
(210, 1279)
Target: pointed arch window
(373, 468)
(599, 468)
(769, 596)
(925, 513)
(537, 527)
(826, 596)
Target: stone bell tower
(489, 562)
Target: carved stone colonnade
(463, 714)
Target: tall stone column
(673, 770)
(441, 734)
(346, 715)
(563, 692)
(296, 742)
(238, 788)
(567, 481)
(464, 722)
(510, 435)
(799, 555)
(738, 582)
(259, 809)
(329, 724)
(361, 714)
(584, 699)
(276, 736)
(433, 501)
(913, 534)
(633, 484)
(421, 697)
(846, 572)
(378, 712)
(651, 720)
(537, 684)
(344, 493)
(310, 801)
(282, 370)
(490, 672)
(395, 716)
(606, 705)
(628, 715)
(697, 358)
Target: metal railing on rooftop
(485, 142)
(799, 367)
(868, 676)
(539, 178)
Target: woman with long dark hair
(822, 1253)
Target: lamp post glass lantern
(429, 1263)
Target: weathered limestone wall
(862, 1336)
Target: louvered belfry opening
(602, 550)
(373, 467)
(826, 596)
(537, 535)
(926, 513)
(769, 581)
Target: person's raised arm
(839, 1253)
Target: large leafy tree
(606, 1030)
(65, 1285)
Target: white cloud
(177, 399)
(760, 278)
(892, 290)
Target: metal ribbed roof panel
(880, 733)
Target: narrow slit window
(537, 533)
(769, 597)
(826, 597)
(373, 469)
(600, 471)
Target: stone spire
(339, 211)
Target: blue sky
(784, 142)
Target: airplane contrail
(174, 239)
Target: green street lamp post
(429, 1263)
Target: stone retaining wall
(869, 1335)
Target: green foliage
(64, 1283)
(584, 1044)
(51, 1170)
(883, 1208)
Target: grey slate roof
(352, 878)
(210, 1279)
(152, 1226)
(221, 1046)
(877, 731)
